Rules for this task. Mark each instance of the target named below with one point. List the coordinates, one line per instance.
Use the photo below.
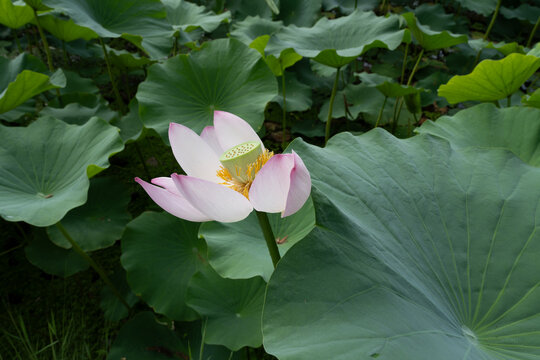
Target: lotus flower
(229, 173)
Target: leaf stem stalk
(284, 120)
(269, 237)
(92, 263)
(331, 107)
(111, 77)
(529, 42)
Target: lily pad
(523, 12)
(431, 256)
(533, 99)
(238, 250)
(65, 30)
(45, 167)
(100, 221)
(253, 27)
(348, 6)
(228, 304)
(387, 86)
(491, 79)
(19, 81)
(337, 42)
(77, 114)
(299, 12)
(144, 338)
(429, 39)
(41, 252)
(113, 309)
(484, 7)
(224, 75)
(485, 126)
(160, 254)
(504, 48)
(297, 94)
(15, 15)
(186, 16)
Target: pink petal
(193, 154)
(232, 130)
(167, 183)
(282, 185)
(218, 202)
(173, 203)
(300, 187)
(209, 135)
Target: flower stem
(93, 264)
(111, 77)
(269, 237)
(284, 120)
(490, 26)
(331, 107)
(381, 112)
(404, 64)
(529, 42)
(400, 100)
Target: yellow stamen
(249, 173)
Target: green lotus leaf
(228, 304)
(348, 6)
(125, 59)
(42, 253)
(15, 115)
(186, 16)
(138, 21)
(100, 221)
(253, 27)
(533, 99)
(238, 250)
(113, 309)
(77, 114)
(429, 39)
(160, 254)
(299, 12)
(287, 58)
(243, 8)
(434, 17)
(145, 338)
(535, 51)
(130, 125)
(504, 48)
(491, 79)
(484, 7)
(65, 30)
(432, 256)
(75, 83)
(19, 80)
(15, 15)
(224, 75)
(387, 86)
(297, 94)
(485, 126)
(37, 5)
(337, 42)
(523, 12)
(45, 167)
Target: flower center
(240, 164)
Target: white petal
(209, 135)
(193, 154)
(231, 130)
(218, 202)
(270, 188)
(173, 203)
(300, 187)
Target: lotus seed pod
(238, 158)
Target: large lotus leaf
(15, 15)
(287, 57)
(77, 114)
(485, 126)
(65, 30)
(113, 308)
(433, 16)
(535, 51)
(224, 75)
(524, 12)
(423, 252)
(337, 42)
(45, 167)
(19, 80)
(100, 221)
(41, 252)
(491, 79)
(187, 16)
(533, 99)
(429, 39)
(113, 18)
(244, 8)
(160, 254)
(504, 48)
(253, 27)
(238, 250)
(127, 60)
(228, 304)
(387, 86)
(130, 125)
(297, 94)
(145, 338)
(299, 12)
(348, 6)
(484, 7)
